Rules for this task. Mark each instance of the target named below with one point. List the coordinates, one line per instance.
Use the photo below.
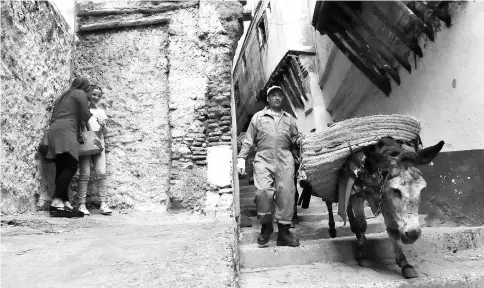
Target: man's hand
(241, 166)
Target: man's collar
(267, 111)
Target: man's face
(275, 99)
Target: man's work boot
(285, 237)
(265, 233)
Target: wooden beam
(297, 75)
(288, 97)
(428, 30)
(422, 12)
(412, 44)
(374, 37)
(382, 83)
(170, 7)
(124, 23)
(442, 12)
(364, 49)
(297, 84)
(366, 57)
(291, 93)
(295, 92)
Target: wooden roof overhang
(378, 52)
(289, 74)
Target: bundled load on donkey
(323, 153)
(373, 158)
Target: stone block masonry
(36, 68)
(200, 93)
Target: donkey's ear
(428, 154)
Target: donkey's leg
(407, 270)
(332, 229)
(357, 218)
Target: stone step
(309, 230)
(378, 246)
(247, 193)
(245, 182)
(460, 269)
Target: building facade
(366, 58)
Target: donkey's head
(402, 183)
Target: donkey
(387, 176)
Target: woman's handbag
(92, 144)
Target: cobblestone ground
(134, 249)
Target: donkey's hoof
(409, 272)
(332, 233)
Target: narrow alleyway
(137, 249)
(444, 256)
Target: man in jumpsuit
(274, 133)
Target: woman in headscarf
(71, 109)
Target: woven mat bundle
(323, 153)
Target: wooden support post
(374, 37)
(125, 23)
(428, 30)
(382, 83)
(412, 44)
(365, 50)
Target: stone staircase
(324, 262)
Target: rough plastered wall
(167, 90)
(36, 67)
(131, 66)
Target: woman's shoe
(105, 210)
(64, 212)
(68, 205)
(82, 208)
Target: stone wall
(36, 67)
(167, 94)
(131, 66)
(168, 100)
(214, 42)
